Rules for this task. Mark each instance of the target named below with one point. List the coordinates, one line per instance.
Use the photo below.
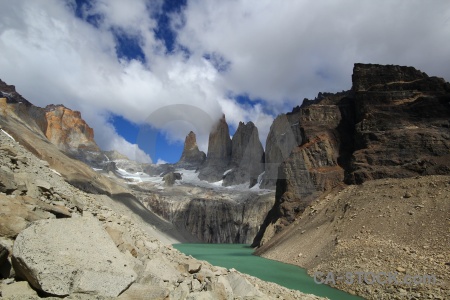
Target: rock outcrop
(401, 123)
(61, 257)
(247, 156)
(393, 123)
(284, 136)
(191, 158)
(223, 216)
(219, 153)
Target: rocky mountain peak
(190, 142)
(219, 152)
(192, 157)
(247, 156)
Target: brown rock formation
(394, 123)
(219, 153)
(191, 158)
(67, 130)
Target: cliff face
(67, 130)
(219, 153)
(394, 123)
(284, 135)
(247, 156)
(211, 217)
(63, 127)
(191, 158)
(401, 126)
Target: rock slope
(390, 225)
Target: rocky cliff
(247, 156)
(212, 216)
(68, 131)
(394, 122)
(62, 126)
(191, 158)
(219, 153)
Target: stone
(194, 267)
(191, 158)
(7, 183)
(142, 291)
(46, 255)
(17, 289)
(242, 287)
(43, 185)
(401, 269)
(169, 178)
(161, 269)
(3, 254)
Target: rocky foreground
(59, 241)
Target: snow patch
(56, 172)
(8, 135)
(227, 171)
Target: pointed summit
(247, 156)
(219, 152)
(192, 157)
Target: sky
(145, 73)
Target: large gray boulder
(66, 256)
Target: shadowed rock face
(394, 123)
(191, 158)
(219, 153)
(247, 156)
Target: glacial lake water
(240, 257)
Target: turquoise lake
(240, 257)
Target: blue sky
(178, 66)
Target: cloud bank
(274, 52)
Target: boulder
(3, 254)
(7, 183)
(20, 289)
(242, 287)
(65, 256)
(169, 178)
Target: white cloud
(161, 161)
(279, 51)
(287, 50)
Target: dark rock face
(401, 126)
(191, 158)
(247, 156)
(212, 218)
(219, 153)
(284, 135)
(394, 123)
